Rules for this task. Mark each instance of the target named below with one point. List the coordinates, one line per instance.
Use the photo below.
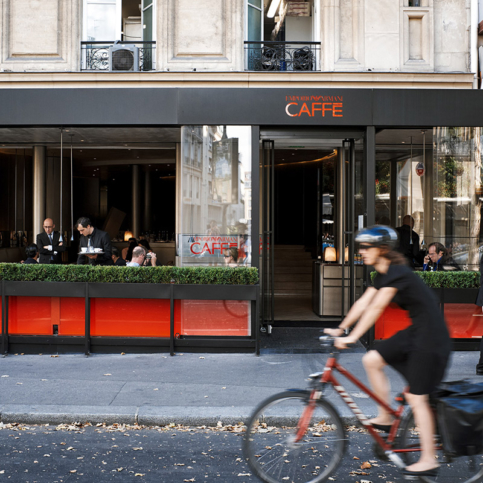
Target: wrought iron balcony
(282, 56)
(118, 56)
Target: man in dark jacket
(93, 240)
(116, 259)
(50, 243)
(408, 240)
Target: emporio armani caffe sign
(314, 106)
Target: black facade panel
(246, 106)
(86, 107)
(424, 107)
(277, 106)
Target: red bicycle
(298, 436)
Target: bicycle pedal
(379, 452)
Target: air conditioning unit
(123, 58)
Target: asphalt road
(50, 454)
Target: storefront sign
(314, 106)
(420, 169)
(206, 246)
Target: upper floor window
(282, 36)
(118, 35)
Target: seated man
(436, 261)
(118, 261)
(32, 253)
(138, 256)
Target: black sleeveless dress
(420, 352)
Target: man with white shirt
(50, 243)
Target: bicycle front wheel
(461, 469)
(270, 445)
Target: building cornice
(369, 80)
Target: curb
(143, 415)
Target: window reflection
(215, 208)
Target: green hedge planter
(17, 272)
(447, 279)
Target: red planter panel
(38, 315)
(215, 317)
(130, 317)
(464, 321)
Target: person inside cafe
(50, 243)
(117, 260)
(231, 257)
(436, 260)
(95, 244)
(32, 253)
(408, 240)
(147, 247)
(139, 257)
(127, 251)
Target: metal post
(147, 200)
(71, 189)
(393, 181)
(341, 204)
(39, 153)
(15, 194)
(370, 200)
(352, 211)
(135, 200)
(264, 233)
(61, 180)
(3, 317)
(272, 232)
(171, 321)
(87, 334)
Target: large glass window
(457, 193)
(214, 216)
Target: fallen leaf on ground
(365, 465)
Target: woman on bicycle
(420, 352)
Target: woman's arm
(354, 313)
(382, 299)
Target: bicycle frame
(329, 378)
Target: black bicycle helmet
(378, 236)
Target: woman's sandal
(416, 475)
(382, 427)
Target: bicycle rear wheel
(462, 469)
(269, 444)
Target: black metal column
(87, 335)
(4, 335)
(369, 204)
(171, 321)
(255, 232)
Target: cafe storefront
(275, 179)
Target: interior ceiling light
(273, 8)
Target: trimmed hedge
(449, 279)
(18, 272)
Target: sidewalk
(156, 389)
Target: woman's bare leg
(374, 365)
(424, 419)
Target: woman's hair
(132, 246)
(395, 257)
(145, 244)
(233, 252)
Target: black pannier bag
(460, 417)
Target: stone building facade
(373, 42)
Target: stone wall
(40, 35)
(208, 35)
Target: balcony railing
(282, 56)
(96, 56)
